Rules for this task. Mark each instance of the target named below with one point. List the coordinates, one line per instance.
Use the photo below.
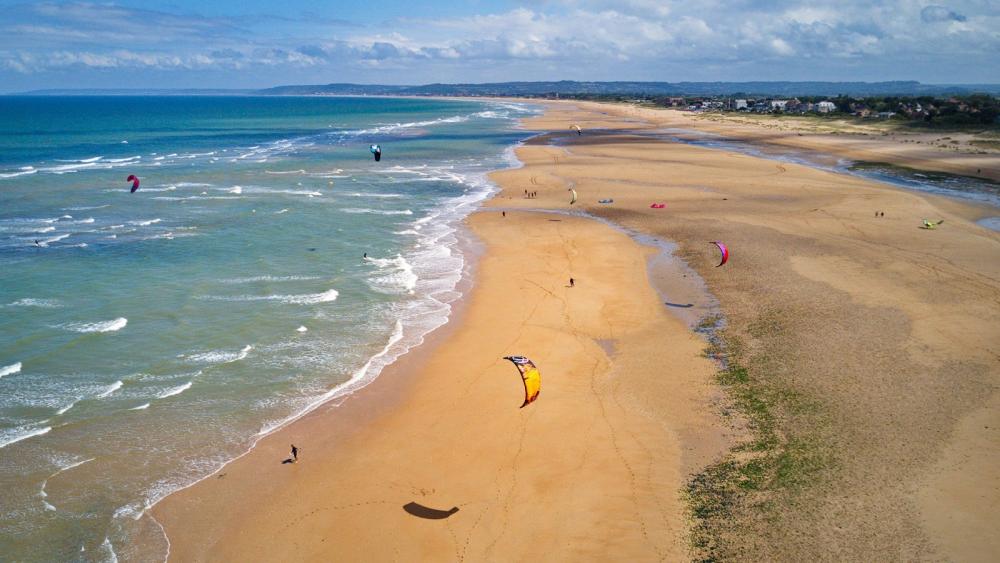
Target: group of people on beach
(530, 195)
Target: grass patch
(776, 460)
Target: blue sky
(258, 43)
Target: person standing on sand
(572, 282)
(295, 454)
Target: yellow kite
(529, 374)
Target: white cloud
(597, 39)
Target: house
(826, 106)
(778, 104)
(886, 114)
(741, 104)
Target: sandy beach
(861, 356)
(594, 467)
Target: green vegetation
(768, 464)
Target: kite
(572, 201)
(577, 129)
(723, 250)
(135, 182)
(605, 201)
(657, 205)
(931, 224)
(529, 374)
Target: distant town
(975, 109)
(970, 110)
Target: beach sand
(594, 467)
(862, 352)
(871, 141)
(870, 344)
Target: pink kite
(723, 249)
(135, 182)
(658, 206)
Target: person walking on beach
(295, 454)
(572, 282)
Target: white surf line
(44, 495)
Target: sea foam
(376, 211)
(174, 390)
(7, 439)
(103, 326)
(11, 369)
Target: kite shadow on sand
(679, 305)
(427, 513)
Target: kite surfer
(295, 454)
(377, 151)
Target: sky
(258, 43)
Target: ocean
(147, 338)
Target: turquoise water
(147, 338)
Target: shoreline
(790, 264)
(387, 386)
(470, 248)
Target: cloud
(584, 39)
(932, 14)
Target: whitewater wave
(300, 299)
(41, 303)
(86, 207)
(67, 407)
(11, 369)
(254, 279)
(366, 194)
(175, 390)
(398, 275)
(220, 357)
(145, 223)
(140, 407)
(357, 210)
(48, 241)
(235, 190)
(62, 469)
(82, 160)
(109, 390)
(393, 127)
(14, 436)
(103, 326)
(23, 172)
